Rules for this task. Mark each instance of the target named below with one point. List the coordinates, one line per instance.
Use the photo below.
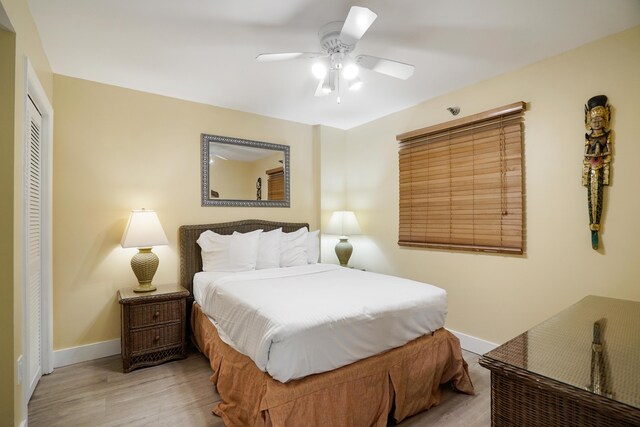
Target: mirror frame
(204, 163)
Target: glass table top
(593, 345)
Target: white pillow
(269, 249)
(313, 247)
(293, 248)
(236, 252)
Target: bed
(395, 383)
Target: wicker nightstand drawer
(153, 326)
(145, 340)
(154, 314)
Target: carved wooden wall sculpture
(597, 159)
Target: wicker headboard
(190, 259)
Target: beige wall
(495, 297)
(333, 165)
(118, 149)
(7, 104)
(27, 44)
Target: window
(461, 183)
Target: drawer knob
(156, 339)
(156, 314)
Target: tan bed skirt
(405, 381)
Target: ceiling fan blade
(268, 57)
(396, 69)
(357, 23)
(319, 91)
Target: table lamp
(144, 231)
(344, 224)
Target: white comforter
(297, 321)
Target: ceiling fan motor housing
(329, 36)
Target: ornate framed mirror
(242, 172)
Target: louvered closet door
(33, 182)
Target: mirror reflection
(239, 172)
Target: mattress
(297, 321)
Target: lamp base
(144, 288)
(144, 265)
(344, 249)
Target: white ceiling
(204, 50)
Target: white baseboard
(473, 344)
(69, 356)
(72, 355)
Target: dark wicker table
(153, 326)
(568, 371)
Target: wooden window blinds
(461, 183)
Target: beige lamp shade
(144, 231)
(343, 223)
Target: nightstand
(153, 326)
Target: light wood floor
(97, 393)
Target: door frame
(33, 88)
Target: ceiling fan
(338, 40)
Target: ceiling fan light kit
(338, 39)
(350, 71)
(319, 70)
(329, 84)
